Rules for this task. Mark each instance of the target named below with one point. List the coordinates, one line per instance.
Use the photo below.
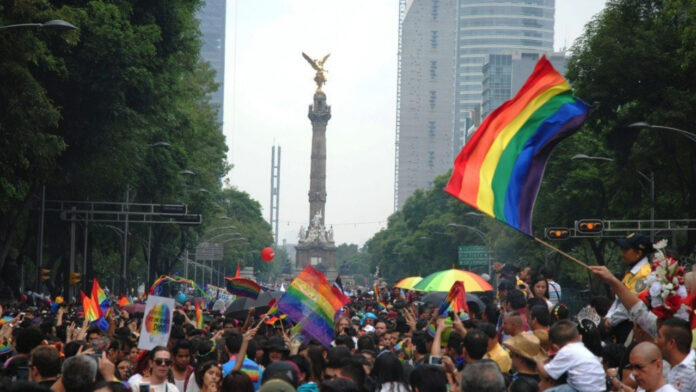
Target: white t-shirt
(585, 372)
(164, 387)
(664, 388)
(192, 385)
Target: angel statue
(318, 65)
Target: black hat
(635, 241)
(276, 343)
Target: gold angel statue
(318, 65)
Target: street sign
(208, 251)
(470, 256)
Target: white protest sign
(157, 322)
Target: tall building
(504, 75)
(488, 27)
(212, 26)
(424, 94)
(443, 46)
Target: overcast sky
(268, 87)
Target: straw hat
(526, 345)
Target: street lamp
(643, 124)
(55, 24)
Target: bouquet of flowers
(666, 290)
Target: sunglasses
(636, 366)
(162, 361)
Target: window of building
(433, 70)
(433, 39)
(431, 162)
(433, 98)
(431, 128)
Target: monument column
(319, 115)
(315, 245)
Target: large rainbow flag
(312, 302)
(500, 168)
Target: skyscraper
(488, 27)
(424, 95)
(443, 46)
(212, 26)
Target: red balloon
(267, 253)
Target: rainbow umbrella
(443, 281)
(408, 283)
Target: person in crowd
(237, 381)
(513, 324)
(646, 367)
(483, 376)
(636, 250)
(525, 351)
(428, 378)
(674, 341)
(160, 365)
(494, 350)
(26, 339)
(208, 377)
(517, 302)
(181, 367)
(475, 345)
(388, 374)
(233, 344)
(78, 374)
(539, 287)
(585, 372)
(44, 365)
(555, 291)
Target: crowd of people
(518, 338)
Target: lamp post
(650, 179)
(55, 24)
(643, 124)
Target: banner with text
(157, 322)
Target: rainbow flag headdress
(500, 168)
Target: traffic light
(589, 226)
(557, 233)
(74, 278)
(45, 274)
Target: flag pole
(546, 244)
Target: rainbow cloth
(243, 287)
(312, 302)
(455, 300)
(499, 170)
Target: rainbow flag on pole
(243, 287)
(500, 168)
(89, 307)
(99, 297)
(312, 302)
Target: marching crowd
(520, 338)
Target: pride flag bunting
(500, 168)
(312, 302)
(243, 287)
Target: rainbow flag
(123, 301)
(455, 300)
(99, 297)
(499, 170)
(312, 302)
(199, 315)
(90, 308)
(380, 304)
(243, 287)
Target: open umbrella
(436, 298)
(240, 307)
(408, 283)
(443, 281)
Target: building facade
(486, 27)
(424, 97)
(212, 26)
(443, 47)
